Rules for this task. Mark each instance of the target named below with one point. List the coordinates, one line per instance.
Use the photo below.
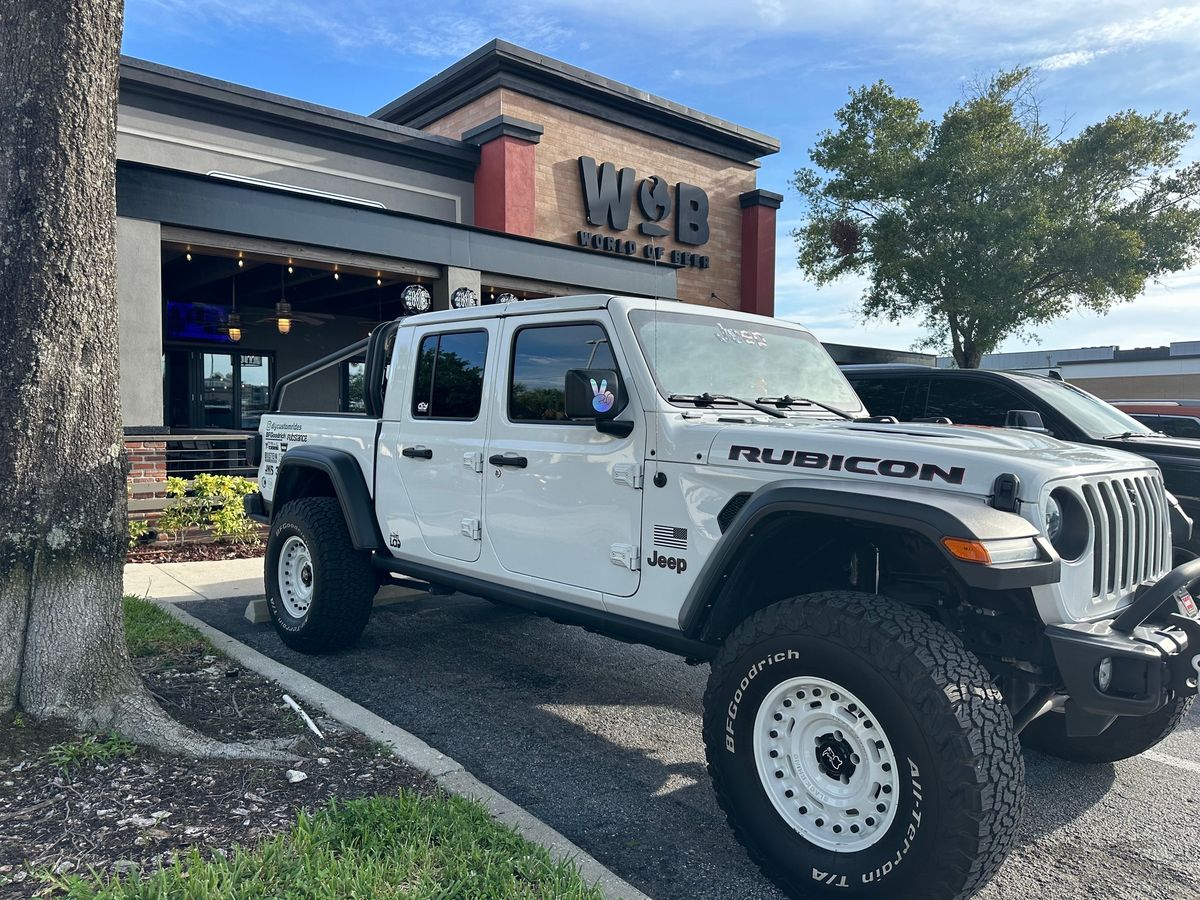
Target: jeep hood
(957, 457)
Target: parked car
(1174, 418)
(885, 608)
(987, 396)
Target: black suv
(987, 396)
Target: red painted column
(758, 251)
(505, 195)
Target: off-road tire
(344, 582)
(961, 785)
(1127, 736)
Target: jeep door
(562, 500)
(436, 441)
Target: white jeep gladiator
(889, 610)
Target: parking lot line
(1167, 760)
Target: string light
(290, 270)
(188, 255)
(378, 282)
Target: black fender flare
(932, 517)
(349, 486)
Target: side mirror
(1026, 420)
(593, 394)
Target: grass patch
(151, 631)
(411, 846)
(90, 749)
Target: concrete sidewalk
(182, 581)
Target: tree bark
(62, 493)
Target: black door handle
(417, 453)
(499, 459)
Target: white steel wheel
(826, 764)
(295, 573)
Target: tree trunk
(62, 494)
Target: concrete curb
(449, 774)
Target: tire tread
(978, 738)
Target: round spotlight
(464, 298)
(416, 299)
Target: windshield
(1088, 412)
(691, 354)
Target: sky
(782, 67)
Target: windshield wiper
(707, 399)
(788, 400)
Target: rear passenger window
(541, 357)
(448, 383)
(971, 401)
(881, 396)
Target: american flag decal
(670, 537)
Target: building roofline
(500, 64)
(139, 77)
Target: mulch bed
(145, 810)
(192, 551)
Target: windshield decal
(741, 336)
(859, 465)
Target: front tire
(320, 589)
(859, 750)
(1128, 736)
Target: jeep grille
(1131, 537)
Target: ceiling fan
(284, 316)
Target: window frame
(412, 413)
(512, 365)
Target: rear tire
(319, 588)
(1126, 737)
(859, 750)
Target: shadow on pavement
(599, 739)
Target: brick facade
(560, 212)
(147, 461)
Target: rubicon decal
(858, 465)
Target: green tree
(986, 224)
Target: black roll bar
(320, 365)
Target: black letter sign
(654, 197)
(691, 214)
(606, 195)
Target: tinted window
(881, 396)
(1179, 426)
(971, 401)
(448, 383)
(541, 358)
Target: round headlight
(1067, 524)
(1053, 519)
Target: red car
(1176, 418)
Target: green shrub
(212, 503)
(138, 529)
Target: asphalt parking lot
(601, 740)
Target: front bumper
(1150, 663)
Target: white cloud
(450, 31)
(1070, 59)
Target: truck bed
(356, 435)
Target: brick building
(257, 233)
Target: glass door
(216, 391)
(226, 391)
(254, 384)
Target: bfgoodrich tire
(1127, 736)
(859, 750)
(319, 588)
